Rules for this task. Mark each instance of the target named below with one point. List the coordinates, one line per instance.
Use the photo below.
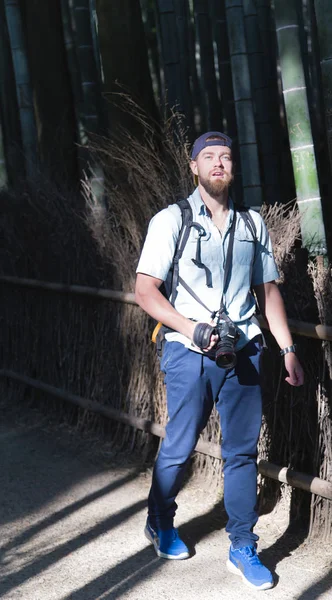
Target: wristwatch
(291, 348)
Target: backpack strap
(249, 221)
(187, 221)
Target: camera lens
(225, 360)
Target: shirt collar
(202, 209)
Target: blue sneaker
(167, 543)
(245, 563)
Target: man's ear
(193, 166)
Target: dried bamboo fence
(283, 474)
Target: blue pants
(194, 383)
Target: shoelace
(250, 555)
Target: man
(194, 381)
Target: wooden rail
(312, 330)
(296, 479)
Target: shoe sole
(233, 569)
(151, 539)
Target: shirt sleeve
(159, 246)
(264, 267)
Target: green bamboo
(200, 122)
(125, 63)
(173, 24)
(3, 165)
(251, 181)
(151, 36)
(73, 68)
(299, 128)
(87, 66)
(263, 118)
(53, 100)
(219, 29)
(210, 101)
(219, 32)
(92, 116)
(23, 86)
(11, 128)
(323, 11)
(95, 39)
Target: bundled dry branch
(141, 177)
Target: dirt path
(71, 529)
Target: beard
(216, 188)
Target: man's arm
(272, 308)
(149, 297)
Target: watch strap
(288, 349)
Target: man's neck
(216, 205)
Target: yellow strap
(155, 332)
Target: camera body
(225, 349)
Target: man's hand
(204, 336)
(294, 370)
(213, 340)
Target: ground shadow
(318, 588)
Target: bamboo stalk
(311, 330)
(93, 117)
(219, 28)
(87, 66)
(8, 100)
(150, 28)
(305, 482)
(3, 165)
(250, 170)
(324, 27)
(73, 67)
(23, 85)
(299, 128)
(262, 106)
(173, 31)
(209, 95)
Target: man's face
(214, 169)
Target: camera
(228, 335)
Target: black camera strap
(227, 271)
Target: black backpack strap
(187, 223)
(187, 220)
(249, 221)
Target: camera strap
(227, 271)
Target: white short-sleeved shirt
(252, 264)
